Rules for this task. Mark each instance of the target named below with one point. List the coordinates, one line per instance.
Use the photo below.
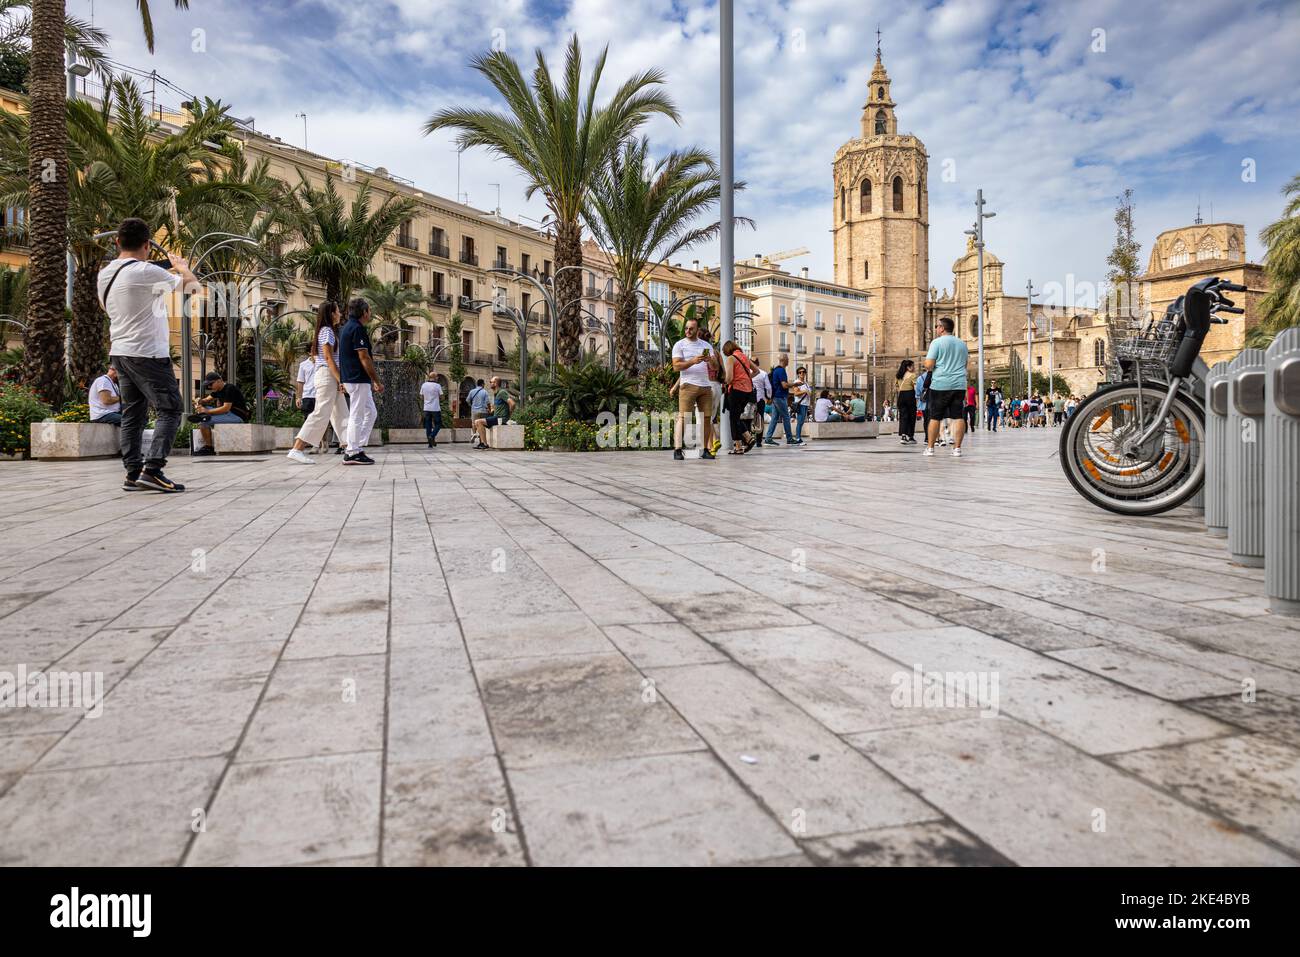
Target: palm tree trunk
(89, 348)
(568, 290)
(47, 170)
(625, 328)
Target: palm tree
(1280, 309)
(48, 208)
(561, 141)
(642, 212)
(121, 163)
(338, 242)
(394, 304)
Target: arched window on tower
(880, 122)
(844, 208)
(1099, 352)
(1234, 250)
(1180, 256)
(898, 194)
(864, 197)
(1207, 249)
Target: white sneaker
(956, 453)
(299, 456)
(928, 451)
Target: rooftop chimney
(804, 272)
(695, 265)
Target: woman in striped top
(329, 391)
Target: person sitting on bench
(224, 404)
(105, 399)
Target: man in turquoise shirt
(947, 360)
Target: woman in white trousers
(329, 391)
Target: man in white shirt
(136, 293)
(105, 400)
(431, 393)
(693, 357)
(762, 395)
(305, 384)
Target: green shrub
(585, 390)
(19, 408)
(183, 436)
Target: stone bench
(75, 440)
(506, 437)
(240, 438)
(841, 430)
(417, 436)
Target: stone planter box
(284, 437)
(243, 438)
(409, 436)
(75, 440)
(506, 437)
(841, 430)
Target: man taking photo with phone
(135, 293)
(693, 357)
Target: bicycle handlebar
(1235, 310)
(1231, 287)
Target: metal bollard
(1282, 473)
(1246, 458)
(1216, 450)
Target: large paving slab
(511, 658)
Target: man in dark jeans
(136, 294)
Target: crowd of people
(337, 381)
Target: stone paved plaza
(459, 657)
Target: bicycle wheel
(1106, 465)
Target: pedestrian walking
(360, 381)
(801, 396)
(134, 292)
(905, 399)
(739, 377)
(431, 397)
(327, 399)
(972, 400)
(780, 380)
(762, 396)
(946, 361)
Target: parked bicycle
(1137, 445)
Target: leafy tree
(556, 135)
(337, 240)
(1280, 309)
(1123, 257)
(643, 212)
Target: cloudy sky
(1053, 108)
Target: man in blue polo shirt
(780, 383)
(360, 381)
(947, 361)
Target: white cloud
(1011, 92)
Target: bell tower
(881, 219)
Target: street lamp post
(978, 233)
(727, 193)
(1029, 348)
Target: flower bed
(19, 408)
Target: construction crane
(759, 259)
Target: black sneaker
(338, 450)
(154, 479)
(128, 484)
(363, 459)
(352, 458)
(204, 450)
(769, 442)
(706, 454)
(678, 455)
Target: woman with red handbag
(740, 372)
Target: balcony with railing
(818, 324)
(820, 351)
(500, 263)
(800, 321)
(438, 248)
(440, 299)
(468, 258)
(407, 241)
(840, 353)
(857, 354)
(464, 303)
(784, 320)
(839, 327)
(611, 295)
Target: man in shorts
(946, 361)
(693, 357)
